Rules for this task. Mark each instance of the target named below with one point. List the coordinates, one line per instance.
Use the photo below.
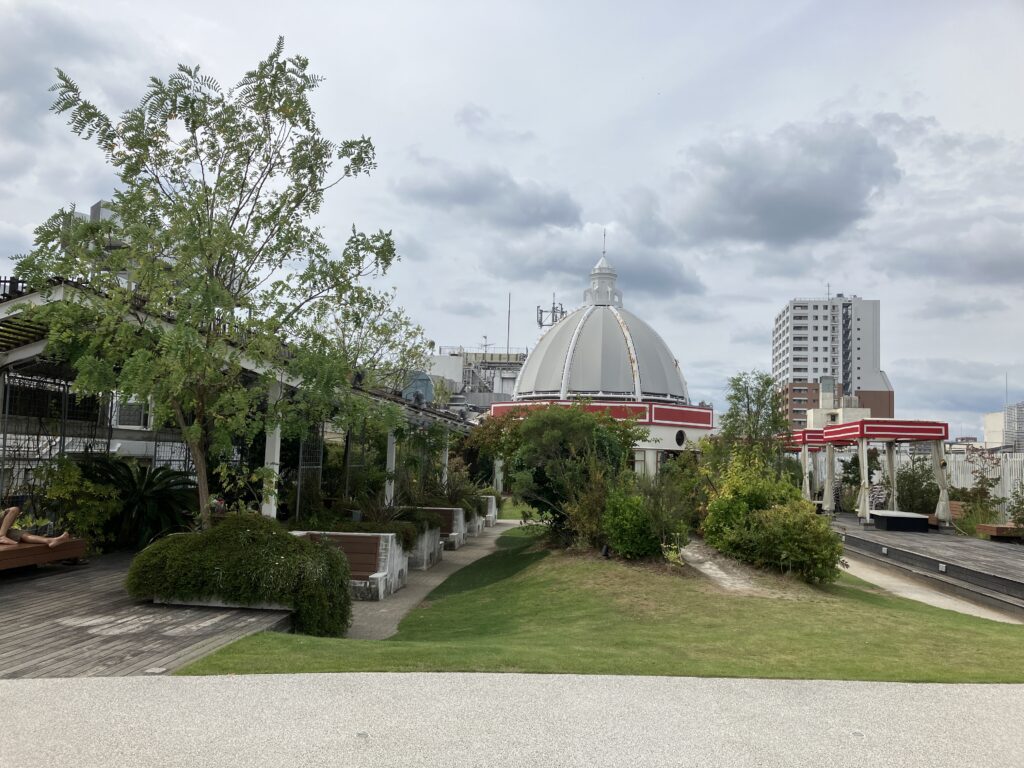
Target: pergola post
(828, 501)
(499, 476)
(864, 497)
(389, 484)
(806, 471)
(272, 456)
(444, 462)
(890, 460)
(942, 513)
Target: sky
(738, 155)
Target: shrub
(916, 490)
(675, 498)
(627, 523)
(489, 491)
(790, 538)
(585, 509)
(246, 560)
(746, 485)
(84, 508)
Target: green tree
(755, 419)
(850, 468)
(212, 258)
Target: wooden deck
(78, 621)
(988, 565)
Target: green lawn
(524, 609)
(513, 510)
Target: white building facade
(837, 337)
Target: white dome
(601, 351)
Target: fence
(959, 470)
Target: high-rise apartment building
(838, 338)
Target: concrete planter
(428, 550)
(491, 518)
(453, 525)
(215, 603)
(378, 564)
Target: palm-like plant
(156, 501)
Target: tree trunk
(202, 484)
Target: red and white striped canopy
(887, 430)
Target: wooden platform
(990, 568)
(78, 621)
(21, 555)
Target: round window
(680, 438)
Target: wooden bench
(894, 520)
(1002, 531)
(373, 572)
(956, 511)
(453, 525)
(21, 555)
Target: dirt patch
(739, 578)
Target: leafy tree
(210, 283)
(756, 419)
(916, 490)
(850, 468)
(556, 455)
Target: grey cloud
(35, 39)
(479, 123)
(755, 337)
(642, 215)
(958, 309)
(802, 182)
(492, 194)
(984, 249)
(469, 309)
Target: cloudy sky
(736, 157)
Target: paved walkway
(79, 621)
(497, 721)
(379, 620)
(900, 582)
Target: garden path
(379, 620)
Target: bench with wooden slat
(1001, 531)
(453, 525)
(21, 554)
(377, 564)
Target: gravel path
(504, 720)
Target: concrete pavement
(379, 619)
(498, 720)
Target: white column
(499, 476)
(444, 462)
(864, 497)
(272, 457)
(806, 470)
(830, 472)
(942, 513)
(890, 460)
(389, 484)
(651, 462)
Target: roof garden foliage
(213, 255)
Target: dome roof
(601, 351)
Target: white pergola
(890, 432)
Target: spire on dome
(603, 290)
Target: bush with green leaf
(249, 560)
(627, 522)
(85, 508)
(759, 518)
(790, 538)
(155, 501)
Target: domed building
(608, 356)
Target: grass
(513, 510)
(526, 609)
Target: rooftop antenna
(828, 289)
(551, 316)
(604, 246)
(508, 327)
(486, 345)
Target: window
(133, 414)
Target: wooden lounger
(21, 555)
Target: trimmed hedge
(246, 560)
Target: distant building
(838, 339)
(1005, 429)
(483, 377)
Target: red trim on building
(887, 429)
(646, 414)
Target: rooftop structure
(602, 352)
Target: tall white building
(839, 338)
